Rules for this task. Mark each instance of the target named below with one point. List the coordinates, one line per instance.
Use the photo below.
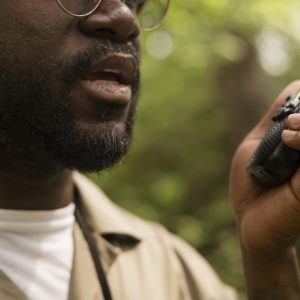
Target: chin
(93, 147)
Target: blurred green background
(208, 75)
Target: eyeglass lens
(152, 13)
(79, 7)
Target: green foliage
(177, 171)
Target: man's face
(68, 86)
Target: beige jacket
(142, 260)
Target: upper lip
(122, 66)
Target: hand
(268, 219)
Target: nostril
(104, 33)
(133, 35)
(114, 36)
(135, 32)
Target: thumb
(239, 178)
(261, 128)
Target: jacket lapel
(84, 284)
(9, 290)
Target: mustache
(75, 65)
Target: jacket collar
(105, 218)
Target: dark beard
(38, 129)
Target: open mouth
(119, 69)
(104, 76)
(109, 80)
(105, 91)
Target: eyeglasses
(150, 13)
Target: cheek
(34, 27)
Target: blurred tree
(208, 74)
(242, 89)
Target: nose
(114, 20)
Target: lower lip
(106, 91)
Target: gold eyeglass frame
(98, 4)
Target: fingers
(293, 121)
(239, 177)
(262, 127)
(291, 136)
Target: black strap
(95, 255)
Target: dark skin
(268, 220)
(52, 34)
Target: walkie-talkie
(273, 162)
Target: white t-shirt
(36, 250)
